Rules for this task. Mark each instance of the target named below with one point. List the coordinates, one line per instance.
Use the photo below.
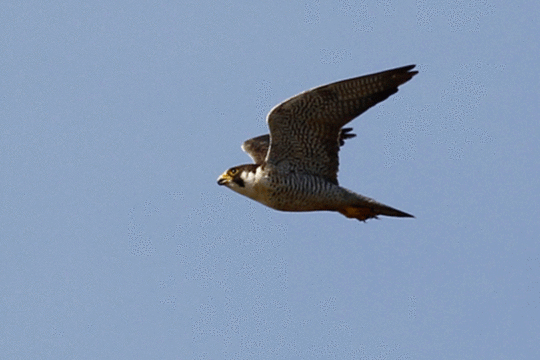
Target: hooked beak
(223, 179)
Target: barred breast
(303, 192)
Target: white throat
(255, 185)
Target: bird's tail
(369, 208)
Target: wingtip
(407, 67)
(407, 70)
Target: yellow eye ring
(233, 171)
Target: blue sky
(116, 119)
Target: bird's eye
(233, 171)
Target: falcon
(295, 166)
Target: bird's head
(236, 177)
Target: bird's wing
(304, 130)
(257, 148)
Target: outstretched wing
(304, 130)
(257, 148)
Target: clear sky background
(116, 118)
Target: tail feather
(370, 210)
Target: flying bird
(295, 166)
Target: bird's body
(296, 165)
(290, 191)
